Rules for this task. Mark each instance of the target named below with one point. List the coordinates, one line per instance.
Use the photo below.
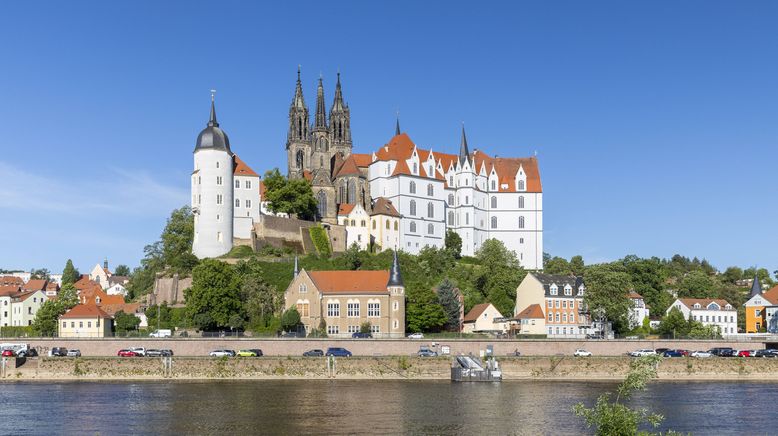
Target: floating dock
(472, 369)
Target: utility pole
(157, 319)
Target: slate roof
(560, 280)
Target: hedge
(320, 240)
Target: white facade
(639, 311)
(117, 289)
(24, 307)
(357, 223)
(709, 312)
(212, 202)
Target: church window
(237, 202)
(413, 227)
(521, 202)
(248, 204)
(237, 184)
(299, 159)
(396, 225)
(430, 229)
(413, 207)
(451, 218)
(430, 210)
(304, 309)
(352, 192)
(321, 161)
(494, 202)
(430, 190)
(412, 187)
(342, 191)
(218, 199)
(521, 185)
(415, 169)
(521, 222)
(322, 206)
(450, 199)
(451, 181)
(219, 180)
(494, 222)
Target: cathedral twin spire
(339, 113)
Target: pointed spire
(212, 120)
(464, 153)
(397, 125)
(756, 287)
(296, 267)
(337, 103)
(320, 123)
(298, 101)
(395, 278)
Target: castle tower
(298, 146)
(320, 139)
(340, 122)
(396, 288)
(212, 191)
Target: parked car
(338, 352)
(746, 353)
(643, 352)
(701, 354)
(30, 352)
(8, 353)
(166, 352)
(74, 353)
(222, 353)
(140, 351)
(152, 352)
(684, 352)
(672, 353)
(764, 353)
(360, 335)
(722, 351)
(126, 353)
(582, 353)
(425, 351)
(162, 333)
(58, 352)
(313, 353)
(252, 352)
(415, 336)
(661, 350)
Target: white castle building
(413, 195)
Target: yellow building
(85, 321)
(757, 307)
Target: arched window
(430, 229)
(494, 222)
(322, 206)
(494, 202)
(494, 185)
(521, 202)
(412, 187)
(299, 159)
(413, 227)
(413, 207)
(430, 210)
(521, 222)
(342, 193)
(450, 199)
(353, 223)
(352, 192)
(430, 190)
(451, 218)
(521, 185)
(321, 161)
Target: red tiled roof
(476, 311)
(25, 295)
(345, 209)
(35, 285)
(128, 308)
(362, 160)
(383, 206)
(533, 311)
(771, 295)
(351, 282)
(11, 280)
(9, 290)
(241, 169)
(402, 168)
(635, 296)
(349, 168)
(85, 311)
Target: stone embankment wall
(169, 290)
(399, 367)
(291, 232)
(376, 347)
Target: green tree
(577, 266)
(177, 238)
(40, 274)
(70, 274)
(125, 322)
(606, 292)
(236, 322)
(557, 265)
(47, 318)
(453, 243)
(352, 257)
(613, 417)
(696, 284)
(289, 196)
(122, 270)
(165, 320)
(290, 319)
(674, 324)
(365, 327)
(448, 299)
(215, 291)
(499, 276)
(422, 311)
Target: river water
(367, 407)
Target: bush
(16, 331)
(320, 241)
(239, 252)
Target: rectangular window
(557, 317)
(89, 324)
(64, 324)
(353, 329)
(72, 324)
(373, 310)
(550, 303)
(237, 184)
(248, 184)
(550, 317)
(333, 309)
(557, 304)
(248, 204)
(81, 324)
(564, 305)
(758, 312)
(375, 329)
(219, 180)
(353, 310)
(333, 330)
(218, 199)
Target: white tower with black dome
(212, 192)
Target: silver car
(74, 353)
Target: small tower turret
(396, 288)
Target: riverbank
(378, 368)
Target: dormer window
(568, 290)
(554, 289)
(714, 306)
(415, 169)
(520, 185)
(697, 305)
(728, 307)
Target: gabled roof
(560, 281)
(634, 295)
(11, 280)
(477, 310)
(362, 160)
(533, 311)
(703, 302)
(402, 168)
(85, 311)
(9, 290)
(111, 309)
(351, 282)
(400, 147)
(345, 209)
(118, 279)
(35, 285)
(771, 296)
(240, 168)
(25, 295)
(349, 168)
(383, 206)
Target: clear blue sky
(654, 122)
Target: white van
(163, 333)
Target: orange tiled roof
(9, 290)
(351, 282)
(85, 311)
(348, 168)
(241, 169)
(704, 302)
(476, 311)
(362, 160)
(533, 311)
(382, 206)
(345, 209)
(11, 280)
(771, 295)
(111, 309)
(35, 285)
(634, 295)
(402, 168)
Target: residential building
(384, 225)
(25, 305)
(11, 281)
(6, 293)
(481, 318)
(117, 289)
(530, 321)
(639, 311)
(100, 274)
(714, 312)
(561, 298)
(346, 299)
(85, 321)
(759, 309)
(357, 221)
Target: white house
(24, 307)
(483, 318)
(357, 223)
(639, 310)
(709, 312)
(117, 289)
(101, 274)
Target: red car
(745, 353)
(8, 353)
(127, 353)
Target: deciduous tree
(215, 291)
(606, 292)
(289, 196)
(453, 243)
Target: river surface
(367, 407)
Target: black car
(166, 353)
(153, 353)
(314, 353)
(661, 351)
(59, 352)
(359, 335)
(722, 351)
(32, 352)
(765, 353)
